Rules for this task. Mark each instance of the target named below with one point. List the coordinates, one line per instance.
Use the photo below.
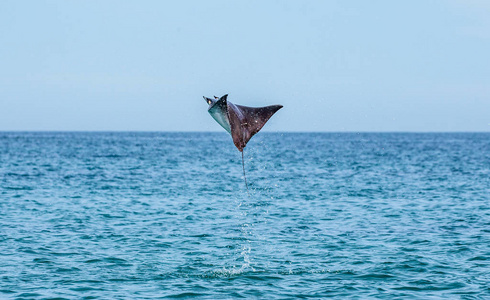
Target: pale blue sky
(334, 65)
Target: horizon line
(212, 131)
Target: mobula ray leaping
(241, 122)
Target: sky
(359, 66)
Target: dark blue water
(155, 215)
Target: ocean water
(167, 215)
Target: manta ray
(242, 122)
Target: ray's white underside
(221, 116)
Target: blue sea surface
(167, 215)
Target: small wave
(186, 295)
(18, 188)
(42, 261)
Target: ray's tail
(245, 177)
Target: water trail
(245, 177)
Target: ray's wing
(246, 121)
(256, 117)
